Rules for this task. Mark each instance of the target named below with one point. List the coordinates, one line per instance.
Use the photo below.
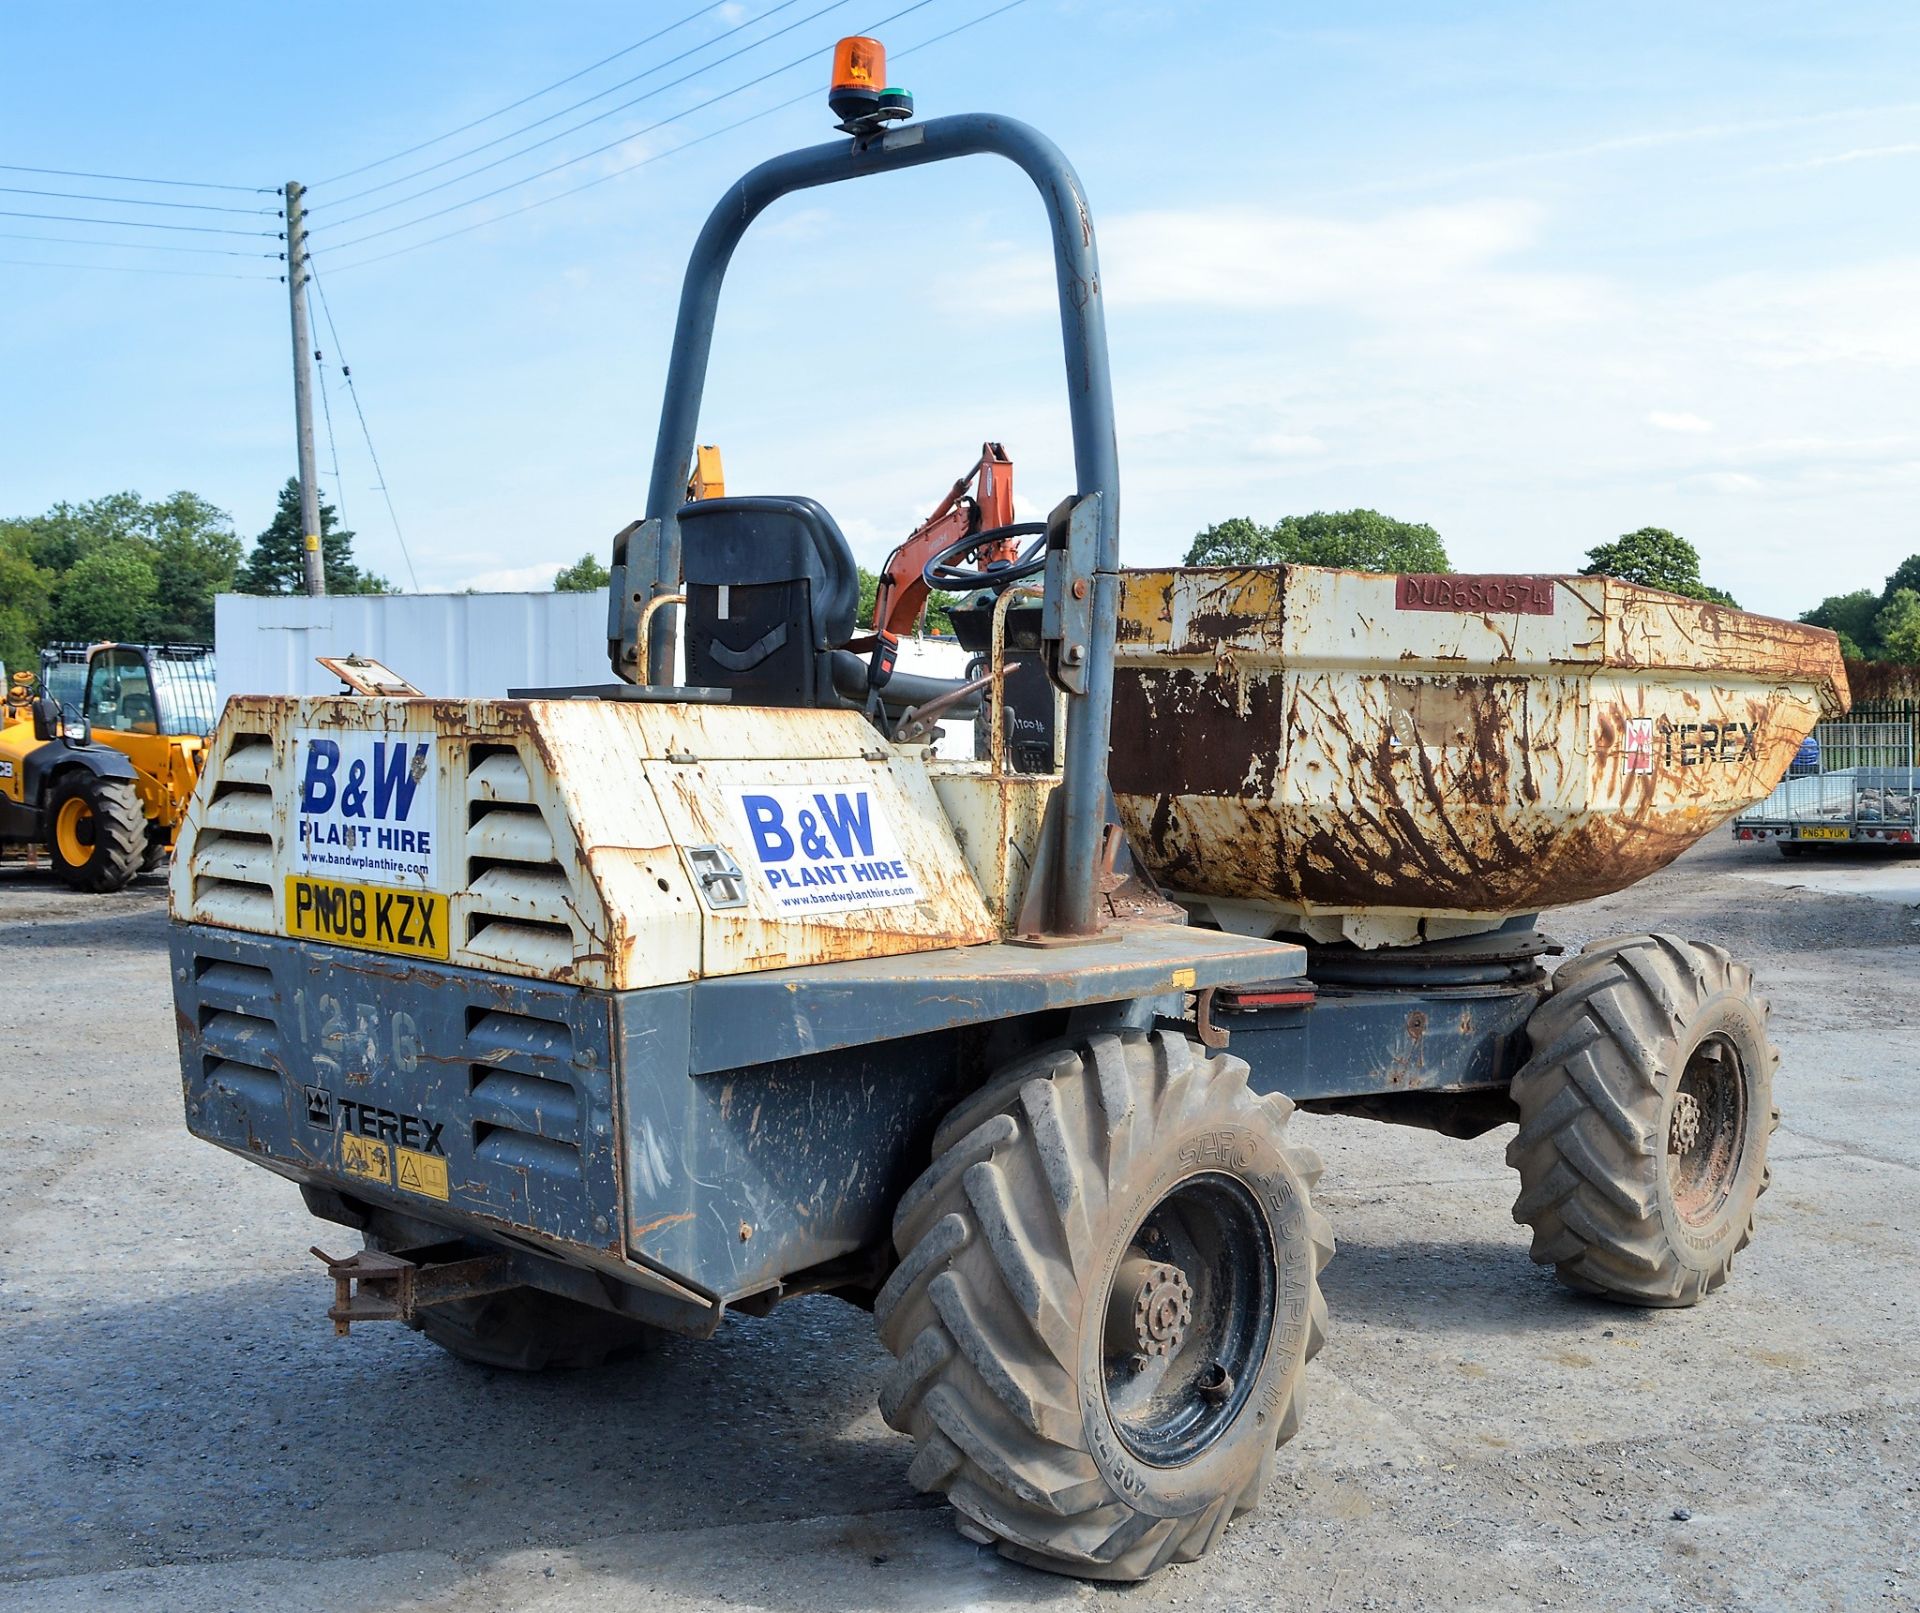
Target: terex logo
(410, 1131)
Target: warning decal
(365, 1157)
(421, 1173)
(1639, 744)
(822, 847)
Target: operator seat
(771, 591)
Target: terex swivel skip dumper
(601, 1012)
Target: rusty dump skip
(1387, 758)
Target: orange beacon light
(859, 75)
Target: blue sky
(1536, 273)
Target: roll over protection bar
(646, 561)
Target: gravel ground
(182, 1430)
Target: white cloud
(512, 579)
(1288, 445)
(808, 224)
(1860, 154)
(1729, 481)
(1423, 262)
(1865, 314)
(1663, 421)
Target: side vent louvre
(525, 1106)
(519, 906)
(233, 852)
(240, 1042)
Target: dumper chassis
(641, 1072)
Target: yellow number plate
(1826, 834)
(413, 923)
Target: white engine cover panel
(573, 840)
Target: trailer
(1855, 782)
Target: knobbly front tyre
(1645, 1112)
(1107, 1295)
(96, 832)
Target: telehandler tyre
(529, 1330)
(96, 832)
(1106, 1299)
(1645, 1111)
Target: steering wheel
(942, 572)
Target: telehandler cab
(62, 790)
(605, 1011)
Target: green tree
(196, 555)
(24, 593)
(1897, 627)
(1905, 575)
(108, 594)
(277, 563)
(174, 555)
(1357, 540)
(1851, 617)
(68, 533)
(187, 543)
(1653, 557)
(939, 604)
(582, 577)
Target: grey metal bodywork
(703, 1142)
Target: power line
(135, 246)
(130, 201)
(133, 179)
(660, 156)
(346, 374)
(627, 138)
(129, 268)
(575, 106)
(514, 106)
(333, 448)
(138, 224)
(584, 123)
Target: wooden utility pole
(314, 561)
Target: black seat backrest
(771, 590)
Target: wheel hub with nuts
(1684, 1134)
(1156, 1322)
(1188, 1316)
(1705, 1136)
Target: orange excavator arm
(981, 500)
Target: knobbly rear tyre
(1106, 1299)
(529, 1330)
(1645, 1112)
(96, 831)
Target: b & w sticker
(368, 807)
(822, 847)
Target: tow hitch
(374, 1286)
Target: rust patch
(655, 1226)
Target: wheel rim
(1188, 1316)
(1706, 1132)
(73, 831)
